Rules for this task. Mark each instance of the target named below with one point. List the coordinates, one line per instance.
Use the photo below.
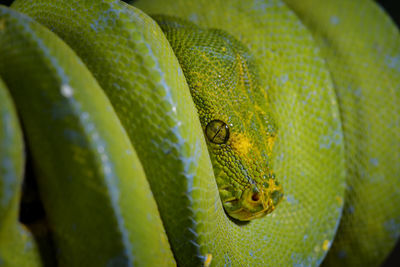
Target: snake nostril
(255, 197)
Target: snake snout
(253, 203)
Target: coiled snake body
(291, 160)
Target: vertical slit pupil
(217, 132)
(219, 129)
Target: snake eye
(217, 132)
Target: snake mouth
(253, 203)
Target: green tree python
(248, 133)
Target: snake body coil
(142, 159)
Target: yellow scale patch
(240, 143)
(243, 68)
(208, 259)
(270, 144)
(273, 187)
(325, 245)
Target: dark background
(392, 7)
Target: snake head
(233, 109)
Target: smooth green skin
(97, 200)
(135, 66)
(364, 59)
(361, 48)
(17, 244)
(308, 158)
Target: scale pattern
(363, 55)
(332, 100)
(230, 92)
(89, 177)
(309, 151)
